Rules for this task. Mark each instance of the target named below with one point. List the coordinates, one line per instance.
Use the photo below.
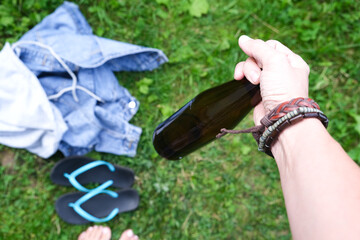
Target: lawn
(227, 189)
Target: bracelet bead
(284, 115)
(271, 133)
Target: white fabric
(68, 70)
(27, 118)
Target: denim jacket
(75, 69)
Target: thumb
(257, 49)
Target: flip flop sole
(99, 206)
(122, 177)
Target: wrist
(285, 115)
(294, 141)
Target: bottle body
(200, 120)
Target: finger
(252, 71)
(278, 46)
(297, 62)
(238, 73)
(257, 49)
(294, 59)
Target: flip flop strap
(100, 189)
(74, 174)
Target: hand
(282, 74)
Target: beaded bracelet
(278, 119)
(271, 133)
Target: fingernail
(237, 73)
(130, 233)
(243, 38)
(254, 76)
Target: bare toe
(96, 233)
(128, 235)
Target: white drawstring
(66, 67)
(64, 90)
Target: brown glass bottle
(200, 120)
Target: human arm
(321, 184)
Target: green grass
(226, 190)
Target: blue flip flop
(78, 171)
(97, 205)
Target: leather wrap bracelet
(284, 115)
